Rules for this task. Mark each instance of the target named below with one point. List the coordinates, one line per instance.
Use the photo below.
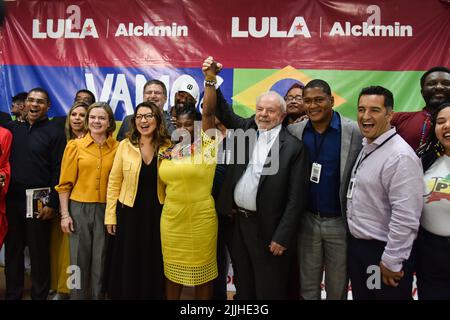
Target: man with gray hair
(264, 191)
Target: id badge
(315, 172)
(351, 187)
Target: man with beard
(187, 92)
(414, 126)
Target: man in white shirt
(384, 204)
(264, 190)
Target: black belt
(243, 212)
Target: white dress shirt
(247, 186)
(387, 201)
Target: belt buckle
(245, 213)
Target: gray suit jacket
(351, 144)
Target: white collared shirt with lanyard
(363, 156)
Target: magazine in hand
(36, 200)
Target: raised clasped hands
(211, 68)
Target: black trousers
(22, 232)
(258, 273)
(433, 266)
(365, 253)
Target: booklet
(36, 200)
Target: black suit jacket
(281, 197)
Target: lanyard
(367, 155)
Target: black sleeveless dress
(136, 270)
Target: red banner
(307, 34)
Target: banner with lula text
(113, 47)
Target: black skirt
(136, 269)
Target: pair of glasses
(147, 116)
(38, 101)
(292, 98)
(156, 93)
(315, 100)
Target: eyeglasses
(38, 101)
(315, 100)
(156, 93)
(147, 116)
(291, 98)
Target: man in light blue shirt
(384, 204)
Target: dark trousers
(433, 266)
(365, 253)
(258, 273)
(22, 232)
(223, 258)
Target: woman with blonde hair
(59, 241)
(84, 176)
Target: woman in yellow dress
(188, 219)
(59, 241)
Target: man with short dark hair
(333, 143)
(36, 154)
(154, 91)
(84, 95)
(18, 106)
(414, 126)
(384, 204)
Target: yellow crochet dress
(188, 219)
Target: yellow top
(85, 169)
(124, 179)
